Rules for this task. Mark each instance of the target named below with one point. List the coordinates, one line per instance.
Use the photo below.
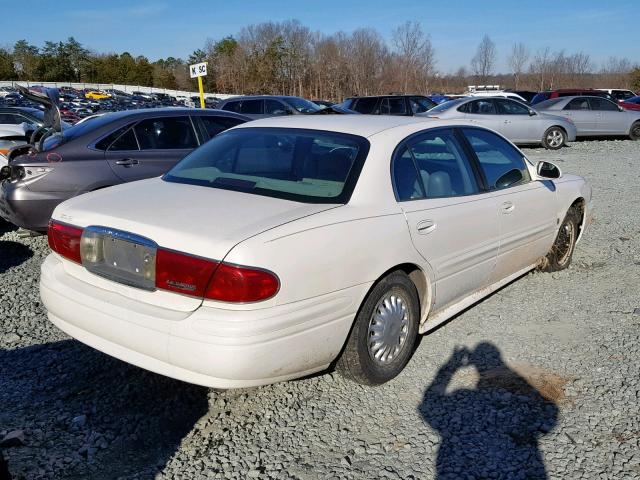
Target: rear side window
(393, 106)
(502, 164)
(166, 133)
(104, 143)
(215, 125)
(433, 166)
(481, 107)
(365, 105)
(231, 107)
(577, 104)
(251, 107)
(126, 141)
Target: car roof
(362, 125)
(259, 97)
(389, 95)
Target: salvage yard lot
(554, 377)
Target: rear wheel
(559, 257)
(554, 138)
(384, 332)
(634, 133)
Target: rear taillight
(65, 240)
(232, 283)
(182, 273)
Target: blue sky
(165, 28)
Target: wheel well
(419, 279)
(560, 127)
(579, 205)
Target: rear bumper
(213, 347)
(26, 208)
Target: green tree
(635, 79)
(7, 70)
(25, 58)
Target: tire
(634, 132)
(358, 360)
(554, 138)
(559, 257)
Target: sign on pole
(199, 70)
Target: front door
(452, 224)
(611, 121)
(525, 208)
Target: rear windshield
(308, 166)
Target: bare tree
(517, 60)
(484, 60)
(415, 55)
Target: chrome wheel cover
(555, 138)
(564, 242)
(388, 328)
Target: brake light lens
(182, 273)
(65, 240)
(232, 283)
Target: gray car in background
(108, 150)
(262, 106)
(516, 121)
(595, 116)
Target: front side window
(503, 165)
(602, 104)
(440, 168)
(275, 107)
(421, 104)
(481, 107)
(302, 165)
(166, 133)
(509, 107)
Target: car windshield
(445, 106)
(309, 166)
(302, 105)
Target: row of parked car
(269, 249)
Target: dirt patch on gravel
(520, 379)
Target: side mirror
(532, 113)
(621, 108)
(548, 170)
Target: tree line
(289, 58)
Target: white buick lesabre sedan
(287, 244)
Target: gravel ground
(551, 381)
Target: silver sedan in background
(516, 121)
(595, 116)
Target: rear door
(579, 111)
(611, 120)
(453, 225)
(526, 209)
(151, 147)
(483, 112)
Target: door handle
(508, 207)
(507, 121)
(127, 162)
(426, 226)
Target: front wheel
(554, 138)
(384, 332)
(634, 133)
(559, 257)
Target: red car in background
(570, 92)
(632, 103)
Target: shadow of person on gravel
(87, 415)
(491, 431)
(13, 254)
